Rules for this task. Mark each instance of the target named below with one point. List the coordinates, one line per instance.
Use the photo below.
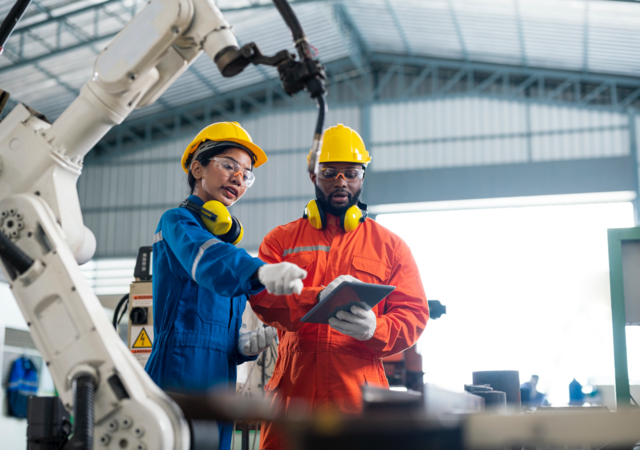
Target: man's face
(339, 194)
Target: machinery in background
(624, 265)
(439, 419)
(405, 369)
(139, 304)
(49, 424)
(254, 375)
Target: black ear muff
(235, 234)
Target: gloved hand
(334, 284)
(255, 342)
(282, 278)
(360, 324)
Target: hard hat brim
(261, 156)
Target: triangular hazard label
(142, 341)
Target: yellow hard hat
(228, 132)
(342, 144)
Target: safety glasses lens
(248, 178)
(234, 169)
(328, 174)
(349, 174)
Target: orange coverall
(315, 362)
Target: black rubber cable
(12, 19)
(322, 111)
(13, 255)
(116, 320)
(285, 10)
(83, 412)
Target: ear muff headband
(217, 220)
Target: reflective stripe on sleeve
(157, 237)
(312, 248)
(203, 247)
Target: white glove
(255, 342)
(282, 278)
(360, 324)
(335, 283)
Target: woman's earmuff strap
(191, 206)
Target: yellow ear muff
(315, 215)
(216, 218)
(221, 223)
(351, 219)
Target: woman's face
(215, 184)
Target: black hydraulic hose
(299, 38)
(12, 255)
(317, 136)
(116, 320)
(322, 111)
(83, 410)
(12, 19)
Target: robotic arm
(43, 235)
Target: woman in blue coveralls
(201, 282)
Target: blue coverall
(200, 288)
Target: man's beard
(328, 208)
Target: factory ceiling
(50, 55)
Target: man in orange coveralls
(326, 365)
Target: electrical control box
(140, 339)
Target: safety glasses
(329, 173)
(232, 169)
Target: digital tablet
(343, 297)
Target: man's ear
(312, 177)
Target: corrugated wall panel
(457, 132)
(591, 144)
(449, 154)
(285, 175)
(258, 219)
(558, 118)
(121, 233)
(446, 118)
(294, 130)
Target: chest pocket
(304, 260)
(370, 270)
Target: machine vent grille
(18, 338)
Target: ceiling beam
(30, 31)
(399, 27)
(356, 45)
(456, 24)
(523, 49)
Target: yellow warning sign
(142, 341)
